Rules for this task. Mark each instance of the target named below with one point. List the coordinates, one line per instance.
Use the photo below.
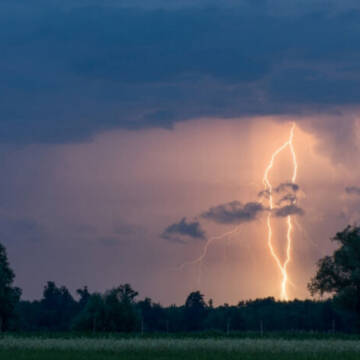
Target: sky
(133, 132)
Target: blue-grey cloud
(287, 186)
(352, 190)
(234, 212)
(70, 70)
(289, 199)
(287, 210)
(184, 228)
(283, 187)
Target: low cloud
(264, 194)
(283, 187)
(288, 198)
(288, 210)
(234, 212)
(177, 231)
(352, 190)
(287, 186)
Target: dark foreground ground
(86, 348)
(168, 355)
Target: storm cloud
(234, 212)
(283, 187)
(287, 186)
(353, 190)
(288, 210)
(184, 228)
(73, 69)
(288, 198)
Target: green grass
(291, 335)
(166, 355)
(40, 348)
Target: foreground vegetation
(86, 348)
(169, 355)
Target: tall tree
(9, 295)
(92, 316)
(84, 297)
(153, 315)
(339, 274)
(58, 307)
(195, 310)
(113, 311)
(121, 314)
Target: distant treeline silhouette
(118, 310)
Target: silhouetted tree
(195, 310)
(114, 311)
(153, 315)
(84, 297)
(58, 307)
(339, 274)
(120, 309)
(9, 295)
(29, 314)
(92, 317)
(175, 319)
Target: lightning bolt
(203, 254)
(269, 189)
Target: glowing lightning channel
(269, 189)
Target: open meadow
(31, 348)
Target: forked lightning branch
(268, 190)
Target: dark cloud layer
(234, 212)
(288, 198)
(352, 190)
(283, 187)
(286, 187)
(184, 228)
(288, 210)
(70, 70)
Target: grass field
(17, 348)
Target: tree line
(120, 310)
